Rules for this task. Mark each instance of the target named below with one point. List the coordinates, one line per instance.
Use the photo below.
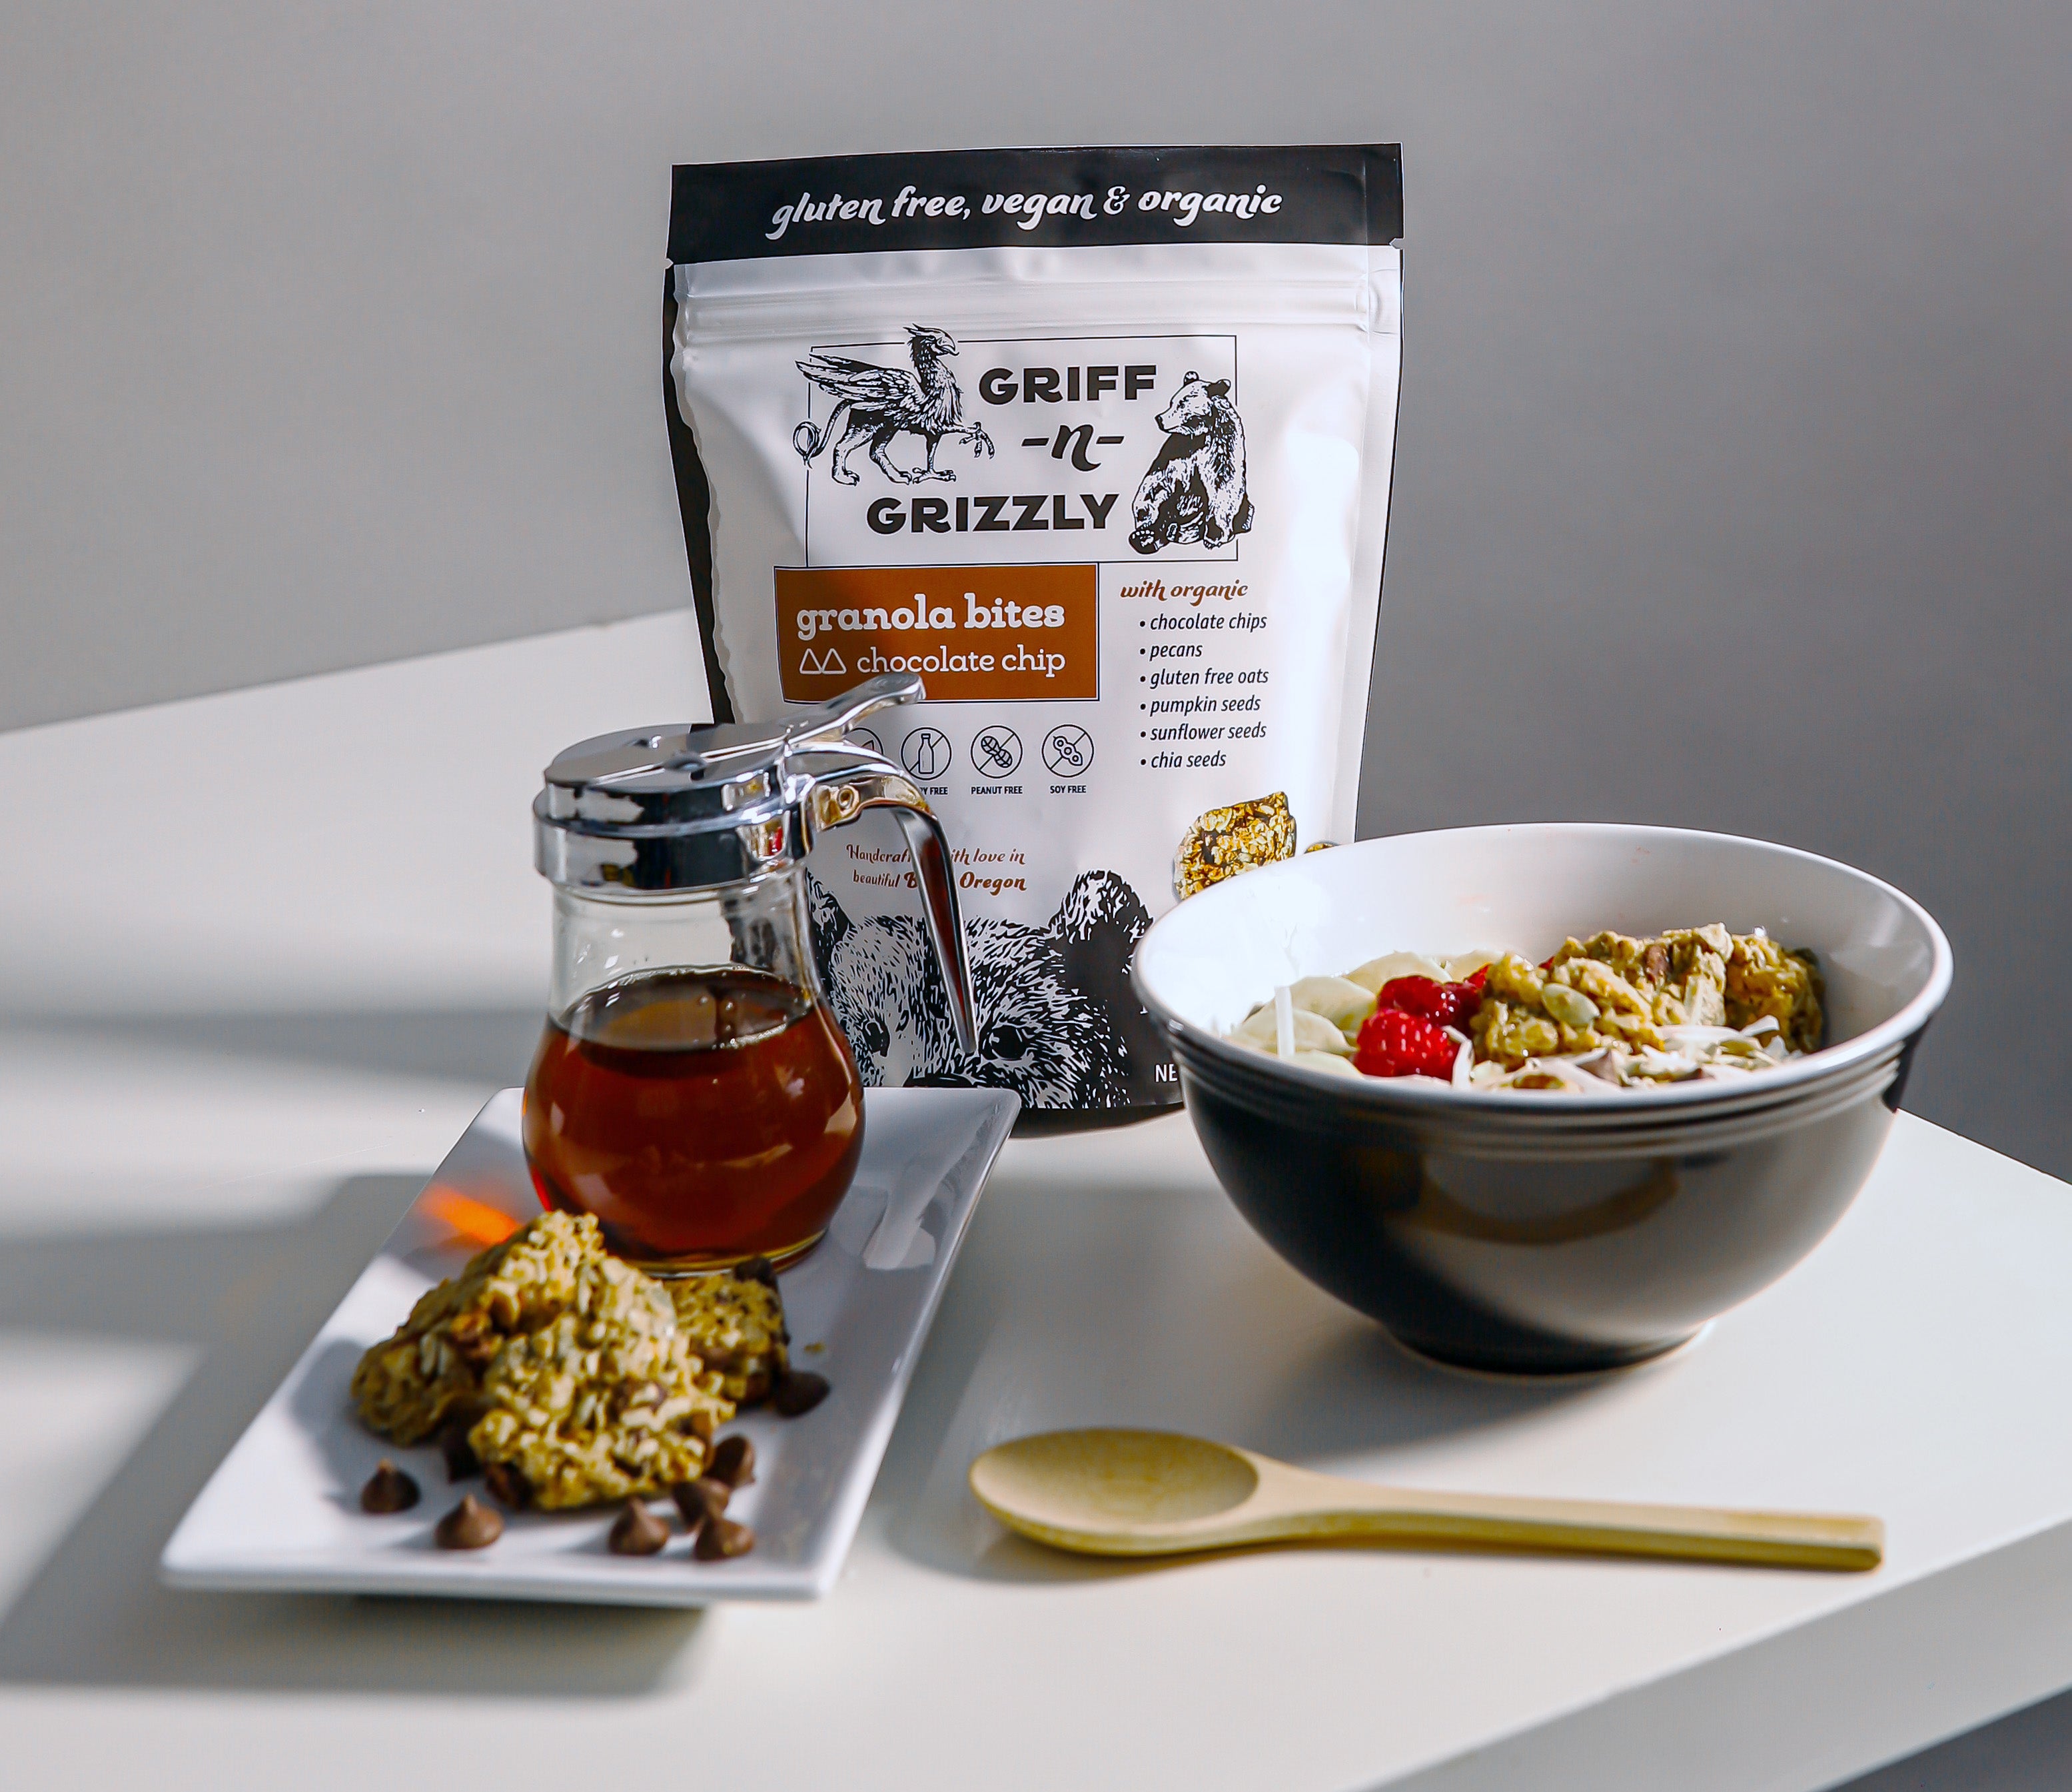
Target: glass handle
(847, 784)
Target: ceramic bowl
(1522, 1230)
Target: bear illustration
(1194, 491)
(1057, 1021)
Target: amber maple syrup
(703, 1116)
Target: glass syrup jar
(692, 1089)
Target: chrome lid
(649, 811)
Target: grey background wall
(1732, 484)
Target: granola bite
(1570, 1007)
(406, 1387)
(1764, 979)
(737, 1325)
(1237, 838)
(569, 1367)
(1682, 972)
(609, 1399)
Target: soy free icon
(1068, 750)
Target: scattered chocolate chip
(756, 1269)
(798, 1390)
(507, 1480)
(733, 1460)
(721, 1538)
(388, 1489)
(462, 1463)
(637, 1531)
(1654, 962)
(470, 1525)
(701, 1499)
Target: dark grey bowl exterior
(1502, 1242)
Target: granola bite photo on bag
(1098, 442)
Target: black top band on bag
(992, 199)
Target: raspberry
(1450, 1004)
(1393, 1043)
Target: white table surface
(261, 956)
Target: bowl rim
(1423, 1095)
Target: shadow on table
(251, 1299)
(1141, 1298)
(491, 1046)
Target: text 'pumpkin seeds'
(1098, 442)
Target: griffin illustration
(880, 402)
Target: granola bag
(1099, 443)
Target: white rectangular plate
(282, 1513)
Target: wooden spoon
(1133, 1493)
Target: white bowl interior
(1526, 888)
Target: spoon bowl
(1098, 1484)
(1140, 1493)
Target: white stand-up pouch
(1098, 442)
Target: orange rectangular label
(976, 634)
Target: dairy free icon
(925, 753)
(996, 752)
(1068, 750)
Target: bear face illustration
(1195, 490)
(1057, 1022)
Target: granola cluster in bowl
(1611, 1011)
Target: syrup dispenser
(692, 1089)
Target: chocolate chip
(470, 1525)
(388, 1489)
(462, 1463)
(798, 1390)
(733, 1460)
(507, 1480)
(698, 1425)
(701, 1499)
(756, 1269)
(637, 1531)
(721, 1538)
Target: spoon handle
(1291, 1505)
